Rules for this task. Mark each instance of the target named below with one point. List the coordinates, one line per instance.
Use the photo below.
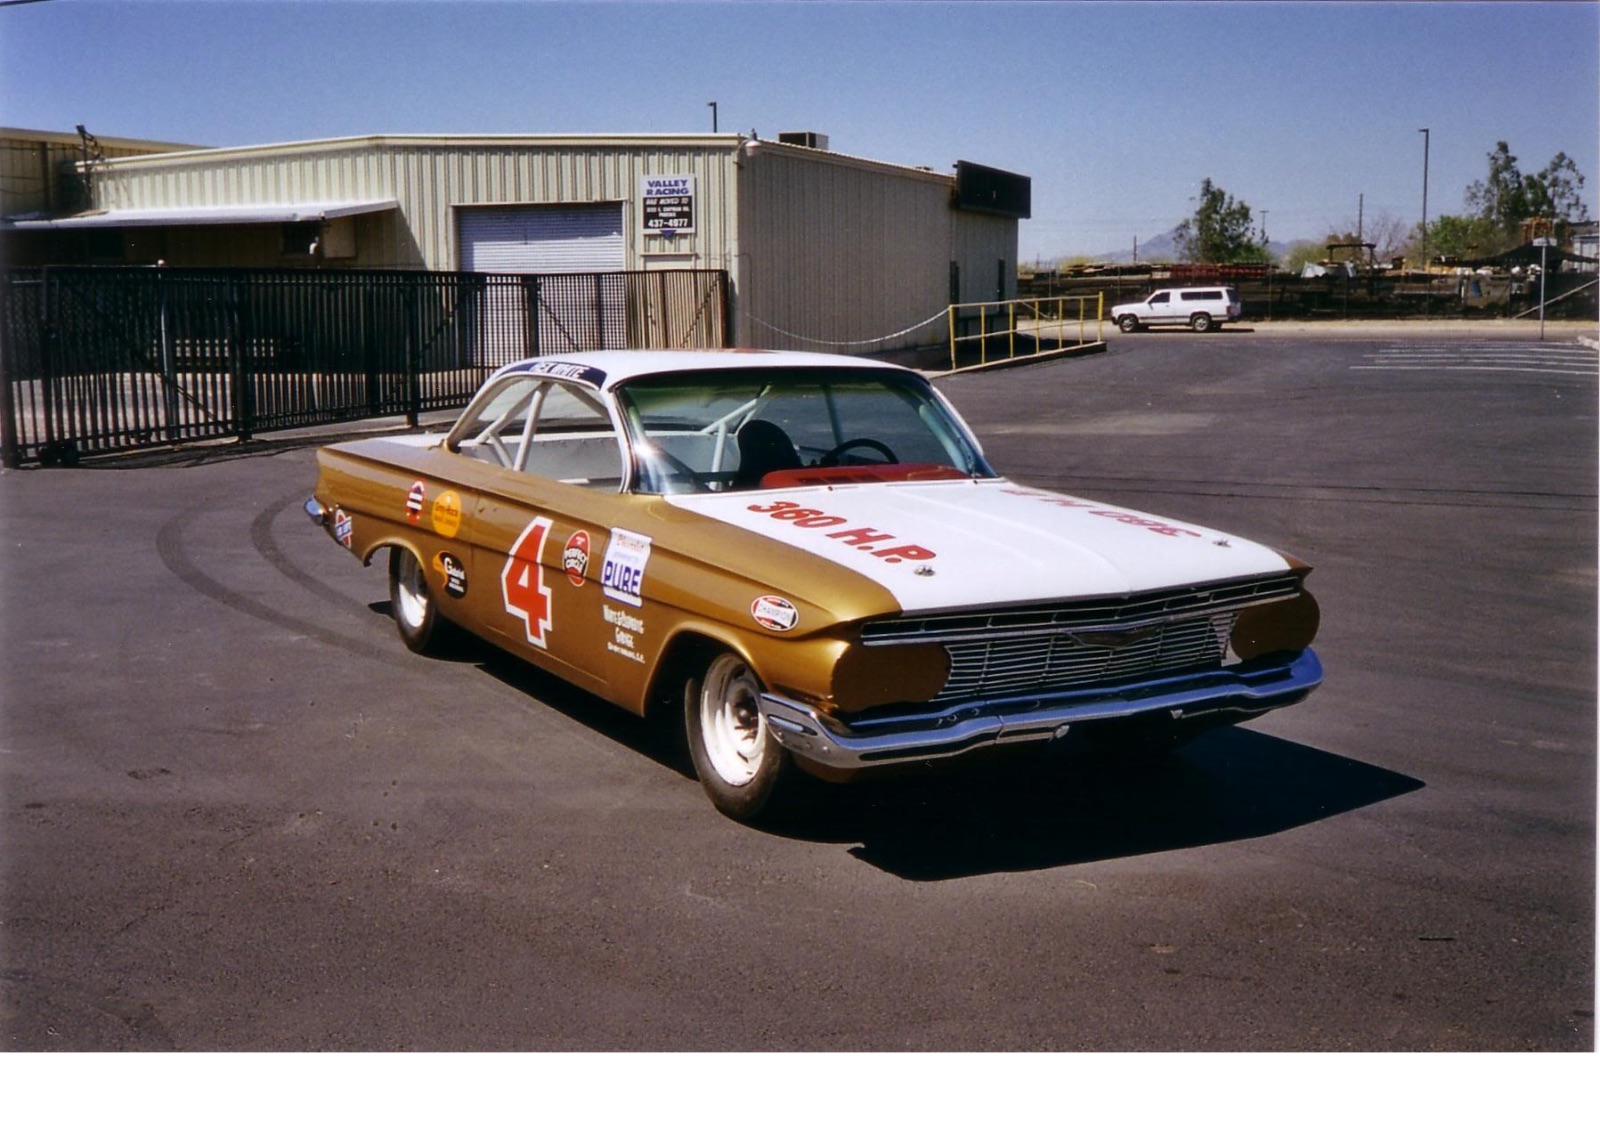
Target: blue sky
(1116, 110)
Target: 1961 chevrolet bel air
(808, 560)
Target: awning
(270, 214)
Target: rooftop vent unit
(804, 138)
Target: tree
(1557, 191)
(1466, 237)
(1302, 253)
(1220, 232)
(1508, 197)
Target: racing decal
(522, 582)
(624, 627)
(560, 370)
(575, 557)
(419, 490)
(1164, 528)
(343, 527)
(453, 572)
(862, 538)
(989, 546)
(774, 613)
(622, 576)
(447, 513)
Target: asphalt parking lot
(239, 815)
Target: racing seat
(763, 448)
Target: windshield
(714, 431)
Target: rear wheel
(1200, 321)
(741, 766)
(415, 611)
(1128, 323)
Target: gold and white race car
(806, 560)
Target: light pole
(1427, 280)
(713, 107)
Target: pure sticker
(622, 576)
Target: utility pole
(1427, 280)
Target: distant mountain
(1164, 247)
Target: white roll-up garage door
(543, 238)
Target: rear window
(1204, 294)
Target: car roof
(605, 370)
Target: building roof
(206, 215)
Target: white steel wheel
(410, 601)
(737, 760)
(1200, 322)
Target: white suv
(1201, 308)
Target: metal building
(822, 250)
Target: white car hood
(943, 545)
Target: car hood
(945, 545)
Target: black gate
(94, 361)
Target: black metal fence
(95, 361)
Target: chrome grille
(1109, 639)
(1052, 661)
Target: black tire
(1201, 322)
(742, 767)
(1128, 324)
(412, 603)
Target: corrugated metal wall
(825, 251)
(840, 254)
(32, 162)
(431, 178)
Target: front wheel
(741, 766)
(416, 613)
(1128, 323)
(1200, 321)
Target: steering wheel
(831, 458)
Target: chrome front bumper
(1221, 696)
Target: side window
(541, 426)
(1160, 298)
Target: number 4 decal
(522, 581)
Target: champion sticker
(774, 613)
(447, 513)
(343, 527)
(622, 576)
(419, 490)
(575, 558)
(454, 573)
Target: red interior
(851, 475)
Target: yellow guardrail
(1010, 329)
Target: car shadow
(590, 711)
(1016, 810)
(1051, 807)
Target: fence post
(413, 358)
(530, 315)
(47, 357)
(169, 382)
(369, 340)
(244, 401)
(10, 451)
